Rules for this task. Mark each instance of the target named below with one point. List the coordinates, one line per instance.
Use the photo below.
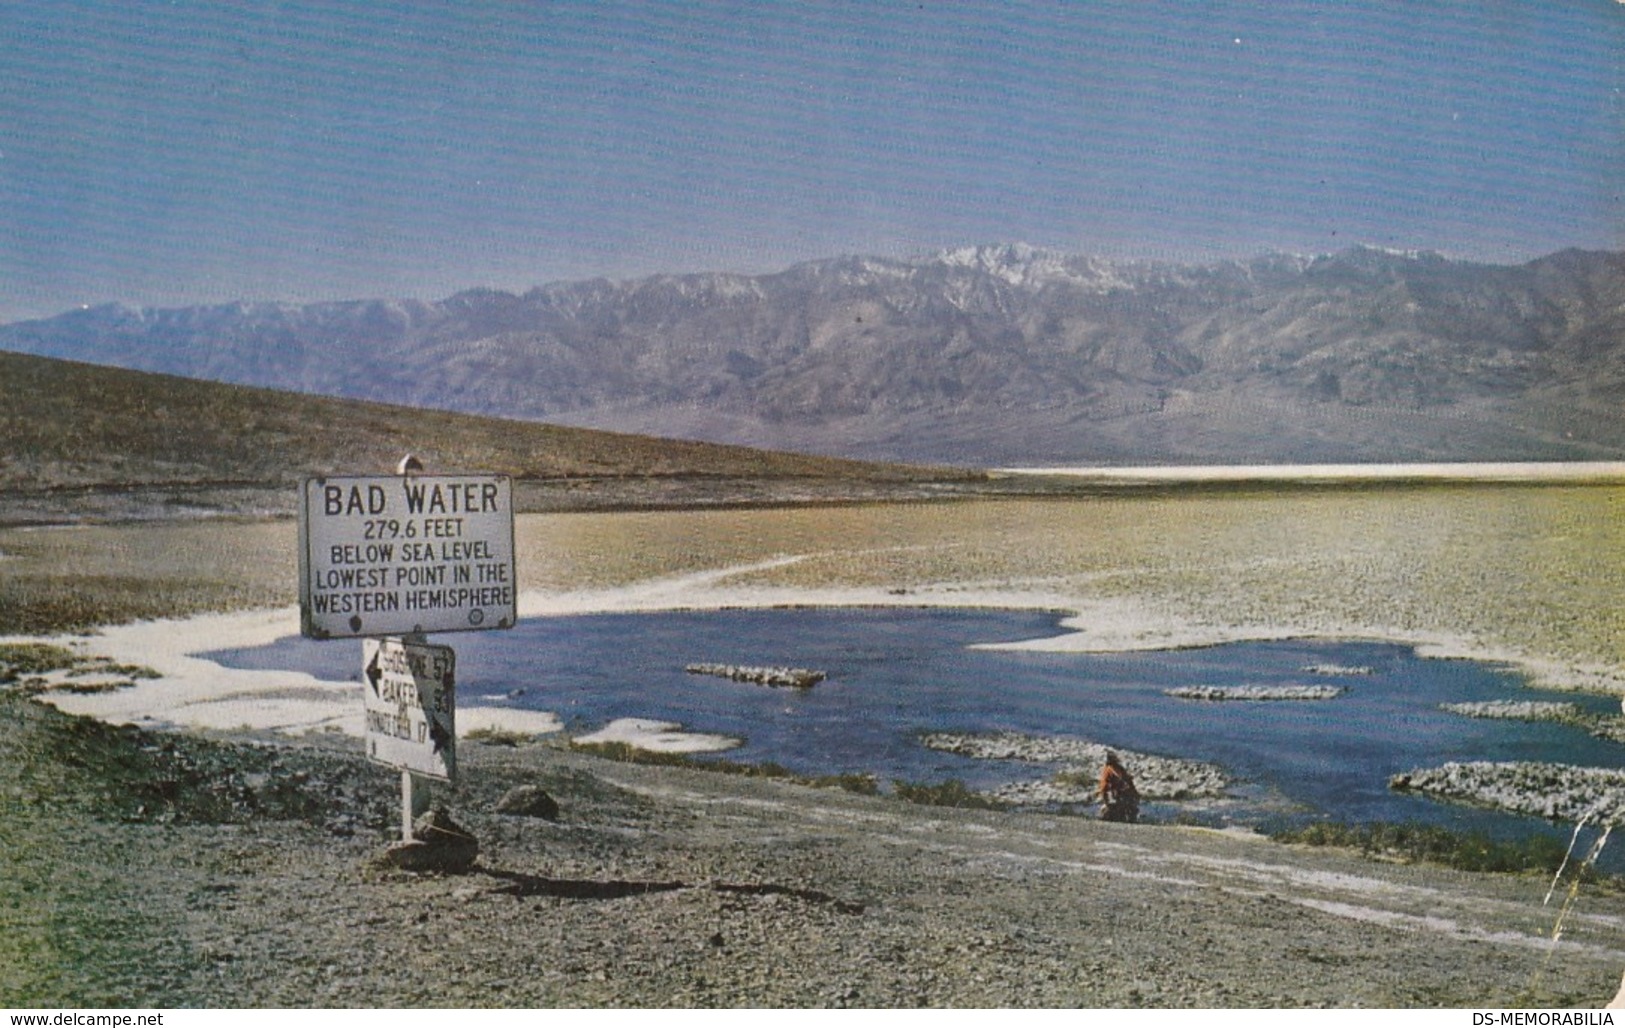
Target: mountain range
(982, 356)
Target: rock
(1255, 692)
(776, 677)
(528, 801)
(1078, 760)
(437, 828)
(440, 846)
(1588, 795)
(1518, 710)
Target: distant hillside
(982, 356)
(80, 439)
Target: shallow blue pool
(894, 673)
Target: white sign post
(401, 555)
(409, 695)
(405, 554)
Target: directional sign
(410, 695)
(398, 555)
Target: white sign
(405, 554)
(410, 694)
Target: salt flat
(1525, 574)
(1507, 471)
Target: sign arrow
(410, 704)
(438, 735)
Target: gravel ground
(175, 871)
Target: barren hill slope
(79, 439)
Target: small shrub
(498, 737)
(863, 784)
(766, 769)
(952, 793)
(1411, 842)
(629, 754)
(92, 688)
(19, 659)
(137, 672)
(626, 753)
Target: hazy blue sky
(202, 150)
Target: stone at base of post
(440, 845)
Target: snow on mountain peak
(1028, 266)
